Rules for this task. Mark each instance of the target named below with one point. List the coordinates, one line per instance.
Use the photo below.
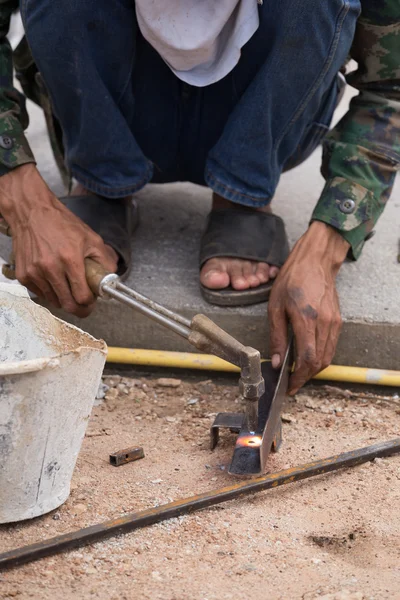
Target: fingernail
(276, 361)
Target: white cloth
(200, 40)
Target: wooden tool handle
(95, 273)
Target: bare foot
(219, 273)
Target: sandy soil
(336, 537)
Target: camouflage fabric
(362, 153)
(34, 88)
(13, 116)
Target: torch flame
(250, 441)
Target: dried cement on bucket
(49, 375)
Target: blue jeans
(128, 120)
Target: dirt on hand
(334, 537)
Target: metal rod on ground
(150, 516)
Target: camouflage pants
(125, 119)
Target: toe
(238, 280)
(249, 273)
(214, 275)
(262, 272)
(273, 272)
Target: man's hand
(50, 243)
(305, 295)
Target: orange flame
(249, 440)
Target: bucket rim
(19, 367)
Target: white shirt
(200, 40)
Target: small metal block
(126, 456)
(6, 142)
(232, 421)
(347, 206)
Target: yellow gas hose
(207, 362)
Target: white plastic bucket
(49, 375)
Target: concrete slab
(166, 267)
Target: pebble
(155, 481)
(113, 381)
(101, 392)
(170, 419)
(112, 394)
(98, 432)
(131, 382)
(206, 387)
(121, 387)
(168, 382)
(310, 403)
(342, 595)
(192, 401)
(47, 573)
(286, 418)
(79, 509)
(338, 392)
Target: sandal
(250, 235)
(114, 220)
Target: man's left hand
(305, 295)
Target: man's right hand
(50, 243)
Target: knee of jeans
(50, 20)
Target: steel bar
(189, 505)
(126, 455)
(253, 447)
(231, 421)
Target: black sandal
(249, 235)
(114, 220)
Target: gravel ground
(336, 537)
